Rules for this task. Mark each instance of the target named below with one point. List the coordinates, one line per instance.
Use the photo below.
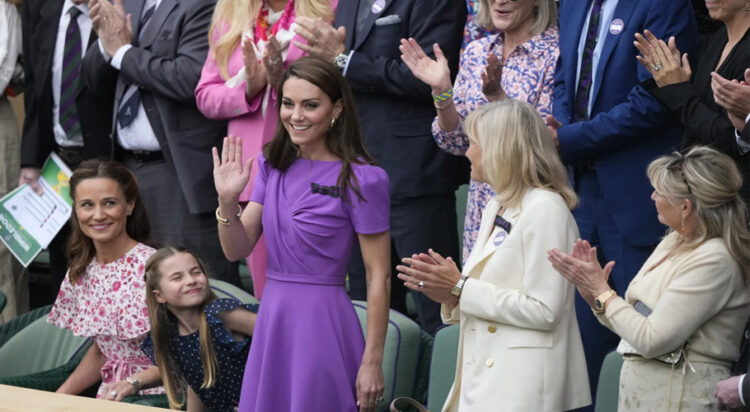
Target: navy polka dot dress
(231, 356)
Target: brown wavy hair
(159, 319)
(80, 248)
(344, 139)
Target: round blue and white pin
(499, 238)
(378, 6)
(616, 26)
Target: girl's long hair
(344, 139)
(232, 17)
(80, 247)
(162, 328)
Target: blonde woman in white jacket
(520, 349)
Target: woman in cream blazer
(520, 349)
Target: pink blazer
(217, 101)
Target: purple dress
(308, 344)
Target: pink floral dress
(108, 303)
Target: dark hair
(80, 247)
(344, 139)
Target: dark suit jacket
(395, 108)
(41, 19)
(628, 127)
(692, 103)
(166, 67)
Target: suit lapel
(347, 16)
(365, 31)
(135, 17)
(157, 21)
(622, 12)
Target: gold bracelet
(225, 221)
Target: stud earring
(333, 119)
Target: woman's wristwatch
(456, 290)
(600, 302)
(135, 382)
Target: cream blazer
(519, 348)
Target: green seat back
(400, 355)
(3, 301)
(227, 290)
(609, 383)
(442, 366)
(38, 347)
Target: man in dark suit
(609, 128)
(154, 62)
(396, 111)
(63, 115)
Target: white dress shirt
(605, 19)
(138, 135)
(84, 24)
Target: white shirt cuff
(351, 53)
(119, 55)
(747, 118)
(739, 389)
(742, 146)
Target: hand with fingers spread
(493, 73)
(432, 72)
(370, 385)
(662, 59)
(581, 267)
(230, 174)
(273, 61)
(255, 70)
(111, 24)
(323, 40)
(431, 274)
(732, 95)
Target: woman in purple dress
(316, 193)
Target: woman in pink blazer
(252, 42)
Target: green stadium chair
(609, 383)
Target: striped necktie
(585, 79)
(129, 109)
(71, 73)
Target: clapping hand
(431, 274)
(662, 60)
(433, 72)
(491, 87)
(230, 175)
(582, 269)
(255, 71)
(323, 40)
(273, 61)
(734, 96)
(111, 24)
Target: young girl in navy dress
(199, 342)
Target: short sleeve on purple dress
(308, 343)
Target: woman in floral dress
(516, 63)
(103, 293)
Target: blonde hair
(711, 181)
(233, 17)
(159, 318)
(545, 15)
(517, 152)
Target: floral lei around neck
(261, 22)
